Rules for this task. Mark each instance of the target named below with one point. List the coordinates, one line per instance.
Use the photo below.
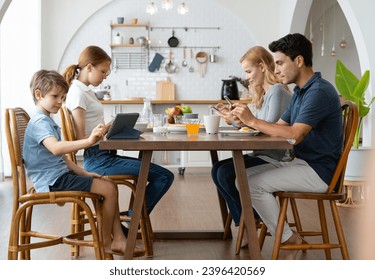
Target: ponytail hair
(90, 55)
(71, 73)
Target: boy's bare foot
(291, 254)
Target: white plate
(237, 133)
(177, 128)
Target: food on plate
(245, 129)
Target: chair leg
(297, 221)
(339, 231)
(262, 235)
(25, 226)
(280, 228)
(75, 222)
(14, 236)
(147, 233)
(241, 231)
(227, 227)
(324, 228)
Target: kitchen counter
(140, 101)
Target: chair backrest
(16, 120)
(350, 124)
(67, 129)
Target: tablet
(123, 126)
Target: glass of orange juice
(192, 126)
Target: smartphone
(216, 109)
(229, 102)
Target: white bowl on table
(141, 126)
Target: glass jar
(147, 115)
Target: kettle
(229, 89)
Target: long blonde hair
(90, 55)
(255, 56)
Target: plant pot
(357, 167)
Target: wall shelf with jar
(129, 49)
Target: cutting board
(165, 90)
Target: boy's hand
(97, 133)
(84, 172)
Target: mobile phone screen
(216, 109)
(229, 101)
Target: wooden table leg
(137, 205)
(247, 208)
(223, 206)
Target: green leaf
(346, 81)
(354, 90)
(362, 85)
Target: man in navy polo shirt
(313, 119)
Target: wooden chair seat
(21, 237)
(130, 181)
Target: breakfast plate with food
(244, 131)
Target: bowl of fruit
(178, 113)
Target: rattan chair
(334, 193)
(21, 237)
(67, 127)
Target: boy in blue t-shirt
(45, 156)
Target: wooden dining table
(150, 142)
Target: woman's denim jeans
(224, 176)
(106, 162)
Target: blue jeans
(106, 162)
(224, 177)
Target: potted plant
(354, 89)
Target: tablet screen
(121, 122)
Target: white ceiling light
(167, 5)
(151, 8)
(182, 8)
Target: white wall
(360, 17)
(20, 57)
(60, 21)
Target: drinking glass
(192, 126)
(160, 124)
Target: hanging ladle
(184, 63)
(191, 68)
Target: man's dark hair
(293, 45)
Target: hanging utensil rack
(186, 47)
(183, 27)
(129, 60)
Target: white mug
(211, 123)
